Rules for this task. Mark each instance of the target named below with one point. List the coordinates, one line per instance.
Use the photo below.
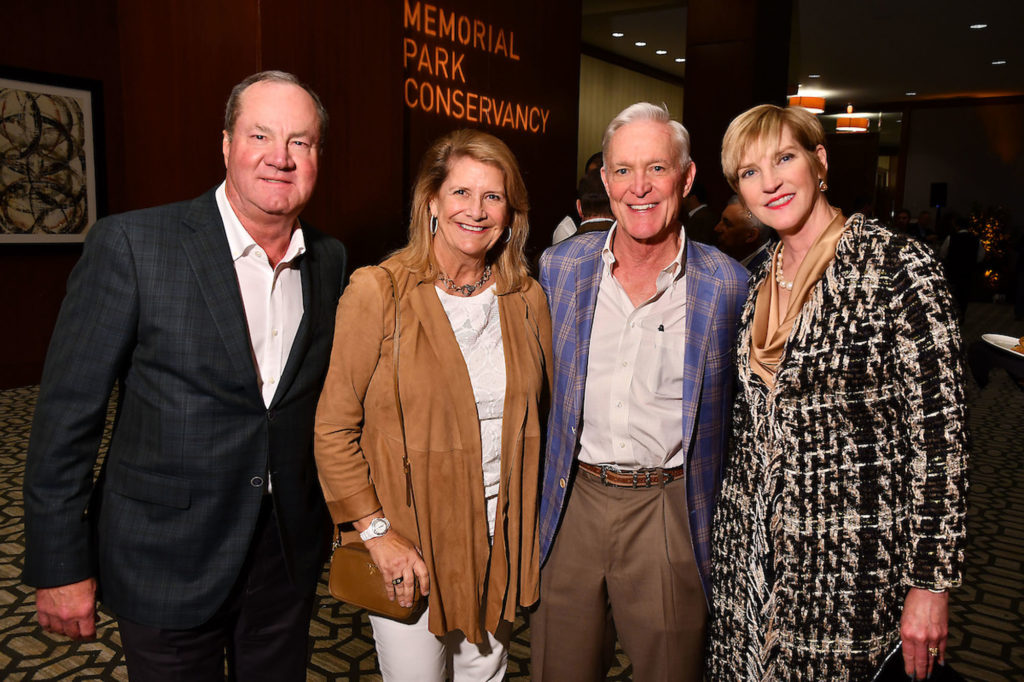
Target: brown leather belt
(637, 478)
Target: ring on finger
(399, 579)
(933, 651)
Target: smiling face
(472, 211)
(272, 155)
(644, 181)
(779, 183)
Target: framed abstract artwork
(49, 169)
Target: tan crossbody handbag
(354, 578)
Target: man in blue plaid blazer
(206, 530)
(643, 325)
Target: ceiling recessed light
(978, 27)
(910, 93)
(661, 52)
(640, 43)
(680, 60)
(998, 62)
(617, 35)
(814, 75)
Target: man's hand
(69, 609)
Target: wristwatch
(378, 527)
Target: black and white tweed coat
(846, 482)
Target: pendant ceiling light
(851, 123)
(815, 105)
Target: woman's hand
(924, 628)
(398, 559)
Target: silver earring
(750, 216)
(433, 225)
(822, 185)
(509, 237)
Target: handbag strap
(398, 401)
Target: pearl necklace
(465, 289)
(779, 275)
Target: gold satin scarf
(767, 336)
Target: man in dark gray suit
(206, 530)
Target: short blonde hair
(765, 123)
(507, 258)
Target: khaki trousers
(622, 563)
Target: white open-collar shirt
(632, 403)
(271, 296)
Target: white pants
(411, 653)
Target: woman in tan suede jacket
(473, 369)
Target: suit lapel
(309, 270)
(588, 280)
(702, 294)
(210, 256)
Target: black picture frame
(52, 160)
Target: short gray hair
(231, 109)
(645, 111)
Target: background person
(592, 205)
(206, 530)
(742, 236)
(841, 520)
(474, 346)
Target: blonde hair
(507, 258)
(765, 123)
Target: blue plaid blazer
(716, 288)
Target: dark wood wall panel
(179, 62)
(77, 39)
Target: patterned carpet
(987, 615)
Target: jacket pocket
(146, 486)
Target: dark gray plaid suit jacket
(154, 305)
(716, 287)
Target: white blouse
(477, 328)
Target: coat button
(561, 482)
(256, 481)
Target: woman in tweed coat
(840, 525)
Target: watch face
(379, 526)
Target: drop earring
(509, 237)
(822, 185)
(433, 225)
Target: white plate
(1004, 342)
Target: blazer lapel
(210, 256)
(588, 280)
(309, 270)
(702, 295)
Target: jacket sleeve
(929, 353)
(90, 349)
(359, 332)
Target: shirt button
(272, 380)
(256, 481)
(625, 363)
(561, 482)
(632, 324)
(621, 444)
(618, 404)
(274, 332)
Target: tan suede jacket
(358, 442)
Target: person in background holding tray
(840, 526)
(474, 343)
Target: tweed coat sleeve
(359, 333)
(930, 363)
(91, 344)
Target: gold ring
(933, 651)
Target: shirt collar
(676, 268)
(241, 242)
